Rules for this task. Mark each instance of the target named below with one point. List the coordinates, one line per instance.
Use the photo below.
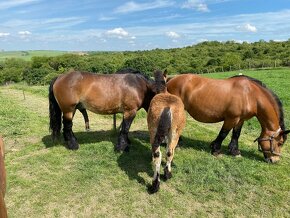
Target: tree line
(205, 57)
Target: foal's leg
(68, 134)
(156, 159)
(123, 140)
(234, 146)
(172, 143)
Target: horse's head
(270, 143)
(160, 81)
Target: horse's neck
(268, 116)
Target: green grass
(27, 55)
(47, 180)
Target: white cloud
(197, 5)
(247, 28)
(172, 35)
(105, 18)
(117, 33)
(134, 7)
(15, 3)
(4, 35)
(24, 33)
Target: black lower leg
(234, 146)
(216, 144)
(123, 140)
(68, 135)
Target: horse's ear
(285, 132)
(165, 73)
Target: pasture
(47, 180)
(27, 55)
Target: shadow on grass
(205, 146)
(138, 159)
(84, 137)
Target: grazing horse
(166, 120)
(233, 101)
(102, 94)
(3, 210)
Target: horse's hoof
(155, 186)
(72, 146)
(235, 153)
(167, 174)
(119, 148)
(217, 153)
(127, 149)
(88, 130)
(238, 156)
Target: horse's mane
(275, 97)
(133, 71)
(159, 81)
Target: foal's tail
(163, 127)
(54, 113)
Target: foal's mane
(275, 97)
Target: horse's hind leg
(68, 134)
(156, 159)
(123, 140)
(172, 143)
(81, 108)
(234, 146)
(85, 115)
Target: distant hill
(27, 55)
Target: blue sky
(118, 25)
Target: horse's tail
(54, 112)
(163, 126)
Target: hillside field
(47, 180)
(27, 55)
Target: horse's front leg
(216, 144)
(68, 134)
(234, 146)
(123, 140)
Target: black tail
(54, 113)
(163, 126)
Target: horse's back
(213, 100)
(166, 100)
(104, 94)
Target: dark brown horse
(166, 120)
(3, 210)
(233, 101)
(84, 111)
(102, 94)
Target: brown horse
(166, 120)
(3, 210)
(84, 111)
(233, 101)
(102, 94)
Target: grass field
(27, 55)
(47, 180)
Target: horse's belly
(205, 114)
(102, 108)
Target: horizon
(115, 26)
